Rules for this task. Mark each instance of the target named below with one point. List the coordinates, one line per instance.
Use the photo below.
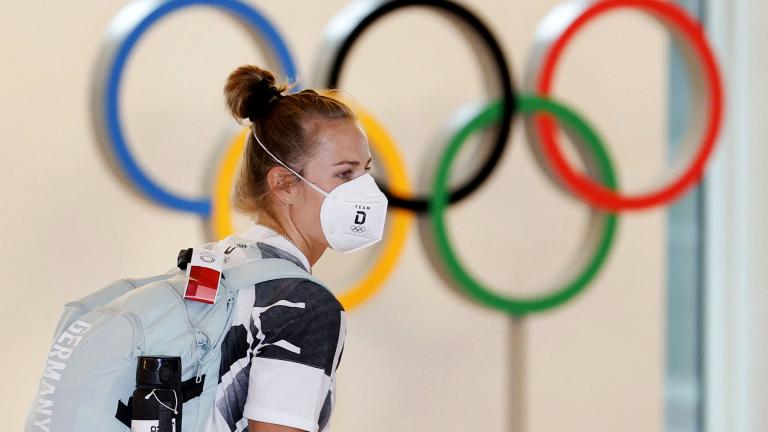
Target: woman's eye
(348, 173)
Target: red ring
(585, 187)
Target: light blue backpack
(89, 374)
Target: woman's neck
(292, 234)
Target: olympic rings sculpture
(597, 187)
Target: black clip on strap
(185, 257)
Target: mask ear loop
(314, 186)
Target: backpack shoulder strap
(261, 270)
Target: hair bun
(261, 99)
(251, 92)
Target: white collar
(262, 233)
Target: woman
(304, 177)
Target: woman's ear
(282, 184)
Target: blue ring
(135, 174)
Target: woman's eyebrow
(354, 163)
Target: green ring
(593, 146)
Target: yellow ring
(221, 200)
(399, 220)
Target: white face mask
(352, 215)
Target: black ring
(509, 94)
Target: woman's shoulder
(303, 313)
(310, 292)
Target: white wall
(418, 357)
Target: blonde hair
(287, 124)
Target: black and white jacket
(280, 356)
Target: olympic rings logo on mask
(597, 186)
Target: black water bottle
(157, 400)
